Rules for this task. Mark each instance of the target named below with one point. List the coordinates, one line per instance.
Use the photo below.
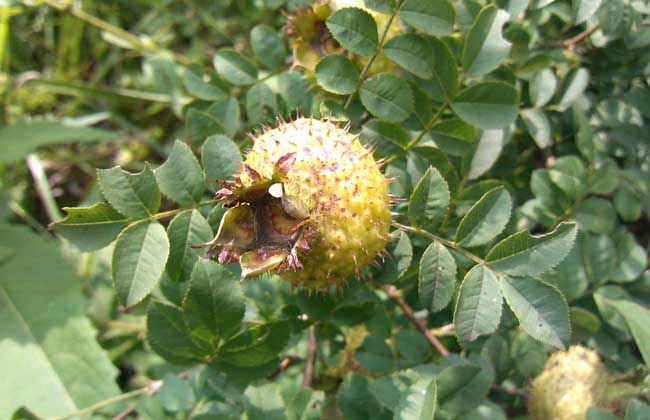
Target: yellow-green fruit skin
(571, 382)
(339, 181)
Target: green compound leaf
(234, 68)
(181, 178)
(413, 53)
(214, 304)
(220, 157)
(188, 228)
(355, 30)
(429, 201)
(51, 361)
(437, 277)
(485, 48)
(486, 219)
(133, 195)
(169, 336)
(541, 309)
(387, 97)
(268, 47)
(487, 105)
(256, 345)
(478, 309)
(418, 402)
(433, 17)
(523, 254)
(337, 74)
(139, 260)
(91, 228)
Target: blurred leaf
(261, 104)
(487, 105)
(336, 74)
(264, 402)
(383, 6)
(412, 52)
(569, 173)
(582, 318)
(628, 205)
(433, 17)
(199, 88)
(256, 345)
(437, 277)
(187, 228)
(486, 219)
(572, 87)
(605, 298)
(375, 355)
(460, 388)
(138, 260)
(539, 126)
(453, 136)
(542, 87)
(429, 201)
(485, 154)
(388, 137)
(540, 308)
(598, 257)
(637, 410)
(176, 394)
(355, 30)
(220, 157)
(638, 319)
(50, 360)
(234, 68)
(19, 140)
(214, 304)
(478, 309)
(631, 260)
(524, 255)
(418, 402)
(354, 400)
(485, 48)
(594, 413)
(596, 215)
(268, 47)
(181, 178)
(202, 123)
(91, 228)
(387, 97)
(398, 261)
(133, 195)
(584, 9)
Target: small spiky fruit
(310, 203)
(311, 40)
(571, 382)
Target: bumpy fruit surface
(570, 383)
(310, 203)
(311, 40)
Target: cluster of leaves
(496, 119)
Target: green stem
(446, 242)
(43, 187)
(150, 389)
(366, 68)
(174, 212)
(434, 119)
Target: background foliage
(517, 134)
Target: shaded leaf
(220, 157)
(485, 48)
(336, 74)
(437, 277)
(478, 309)
(187, 228)
(234, 68)
(429, 201)
(418, 402)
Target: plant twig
(126, 413)
(366, 68)
(573, 41)
(150, 389)
(395, 296)
(512, 391)
(43, 187)
(311, 357)
(287, 362)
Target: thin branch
(43, 187)
(366, 68)
(395, 296)
(572, 42)
(512, 391)
(311, 356)
(287, 362)
(126, 413)
(150, 389)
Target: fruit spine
(310, 203)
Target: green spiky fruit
(310, 203)
(571, 382)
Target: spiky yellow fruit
(571, 382)
(310, 203)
